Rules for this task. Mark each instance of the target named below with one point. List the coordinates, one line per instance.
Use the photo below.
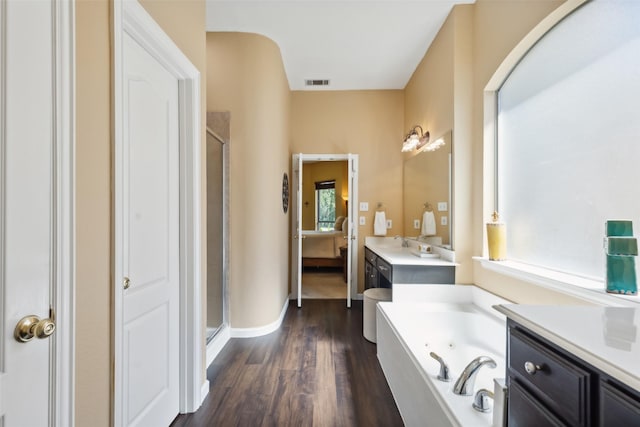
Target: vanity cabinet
(550, 386)
(382, 274)
(370, 269)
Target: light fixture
(415, 139)
(433, 145)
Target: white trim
(130, 17)
(64, 117)
(204, 391)
(587, 289)
(261, 330)
(215, 346)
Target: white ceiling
(356, 44)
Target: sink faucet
(405, 242)
(464, 384)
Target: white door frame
(64, 192)
(62, 368)
(297, 163)
(131, 18)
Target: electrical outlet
(442, 206)
(389, 224)
(362, 220)
(416, 224)
(364, 207)
(443, 220)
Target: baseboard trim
(204, 391)
(218, 342)
(357, 297)
(261, 330)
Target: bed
(322, 248)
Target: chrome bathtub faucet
(464, 384)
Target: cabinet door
(558, 382)
(525, 411)
(370, 275)
(617, 408)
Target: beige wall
(322, 171)
(93, 207)
(446, 92)
(367, 123)
(246, 76)
(183, 20)
(498, 27)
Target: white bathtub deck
(457, 323)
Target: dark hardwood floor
(316, 370)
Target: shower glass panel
(215, 233)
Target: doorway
(324, 255)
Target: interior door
(147, 216)
(352, 229)
(29, 260)
(296, 228)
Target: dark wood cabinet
(381, 274)
(370, 270)
(550, 386)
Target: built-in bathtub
(457, 331)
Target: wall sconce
(433, 145)
(415, 139)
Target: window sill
(587, 289)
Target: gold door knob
(32, 326)
(44, 328)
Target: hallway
(317, 369)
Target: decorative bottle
(497, 238)
(621, 250)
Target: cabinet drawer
(526, 411)
(370, 256)
(384, 268)
(618, 408)
(560, 385)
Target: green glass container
(621, 250)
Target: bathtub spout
(464, 384)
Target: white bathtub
(408, 332)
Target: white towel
(428, 224)
(380, 224)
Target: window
(568, 139)
(325, 205)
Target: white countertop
(391, 250)
(605, 337)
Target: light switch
(362, 220)
(416, 224)
(442, 206)
(443, 220)
(389, 224)
(364, 207)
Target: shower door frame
(222, 335)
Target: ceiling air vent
(316, 82)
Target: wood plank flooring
(316, 370)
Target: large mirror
(427, 194)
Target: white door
(296, 228)
(352, 234)
(147, 217)
(33, 261)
